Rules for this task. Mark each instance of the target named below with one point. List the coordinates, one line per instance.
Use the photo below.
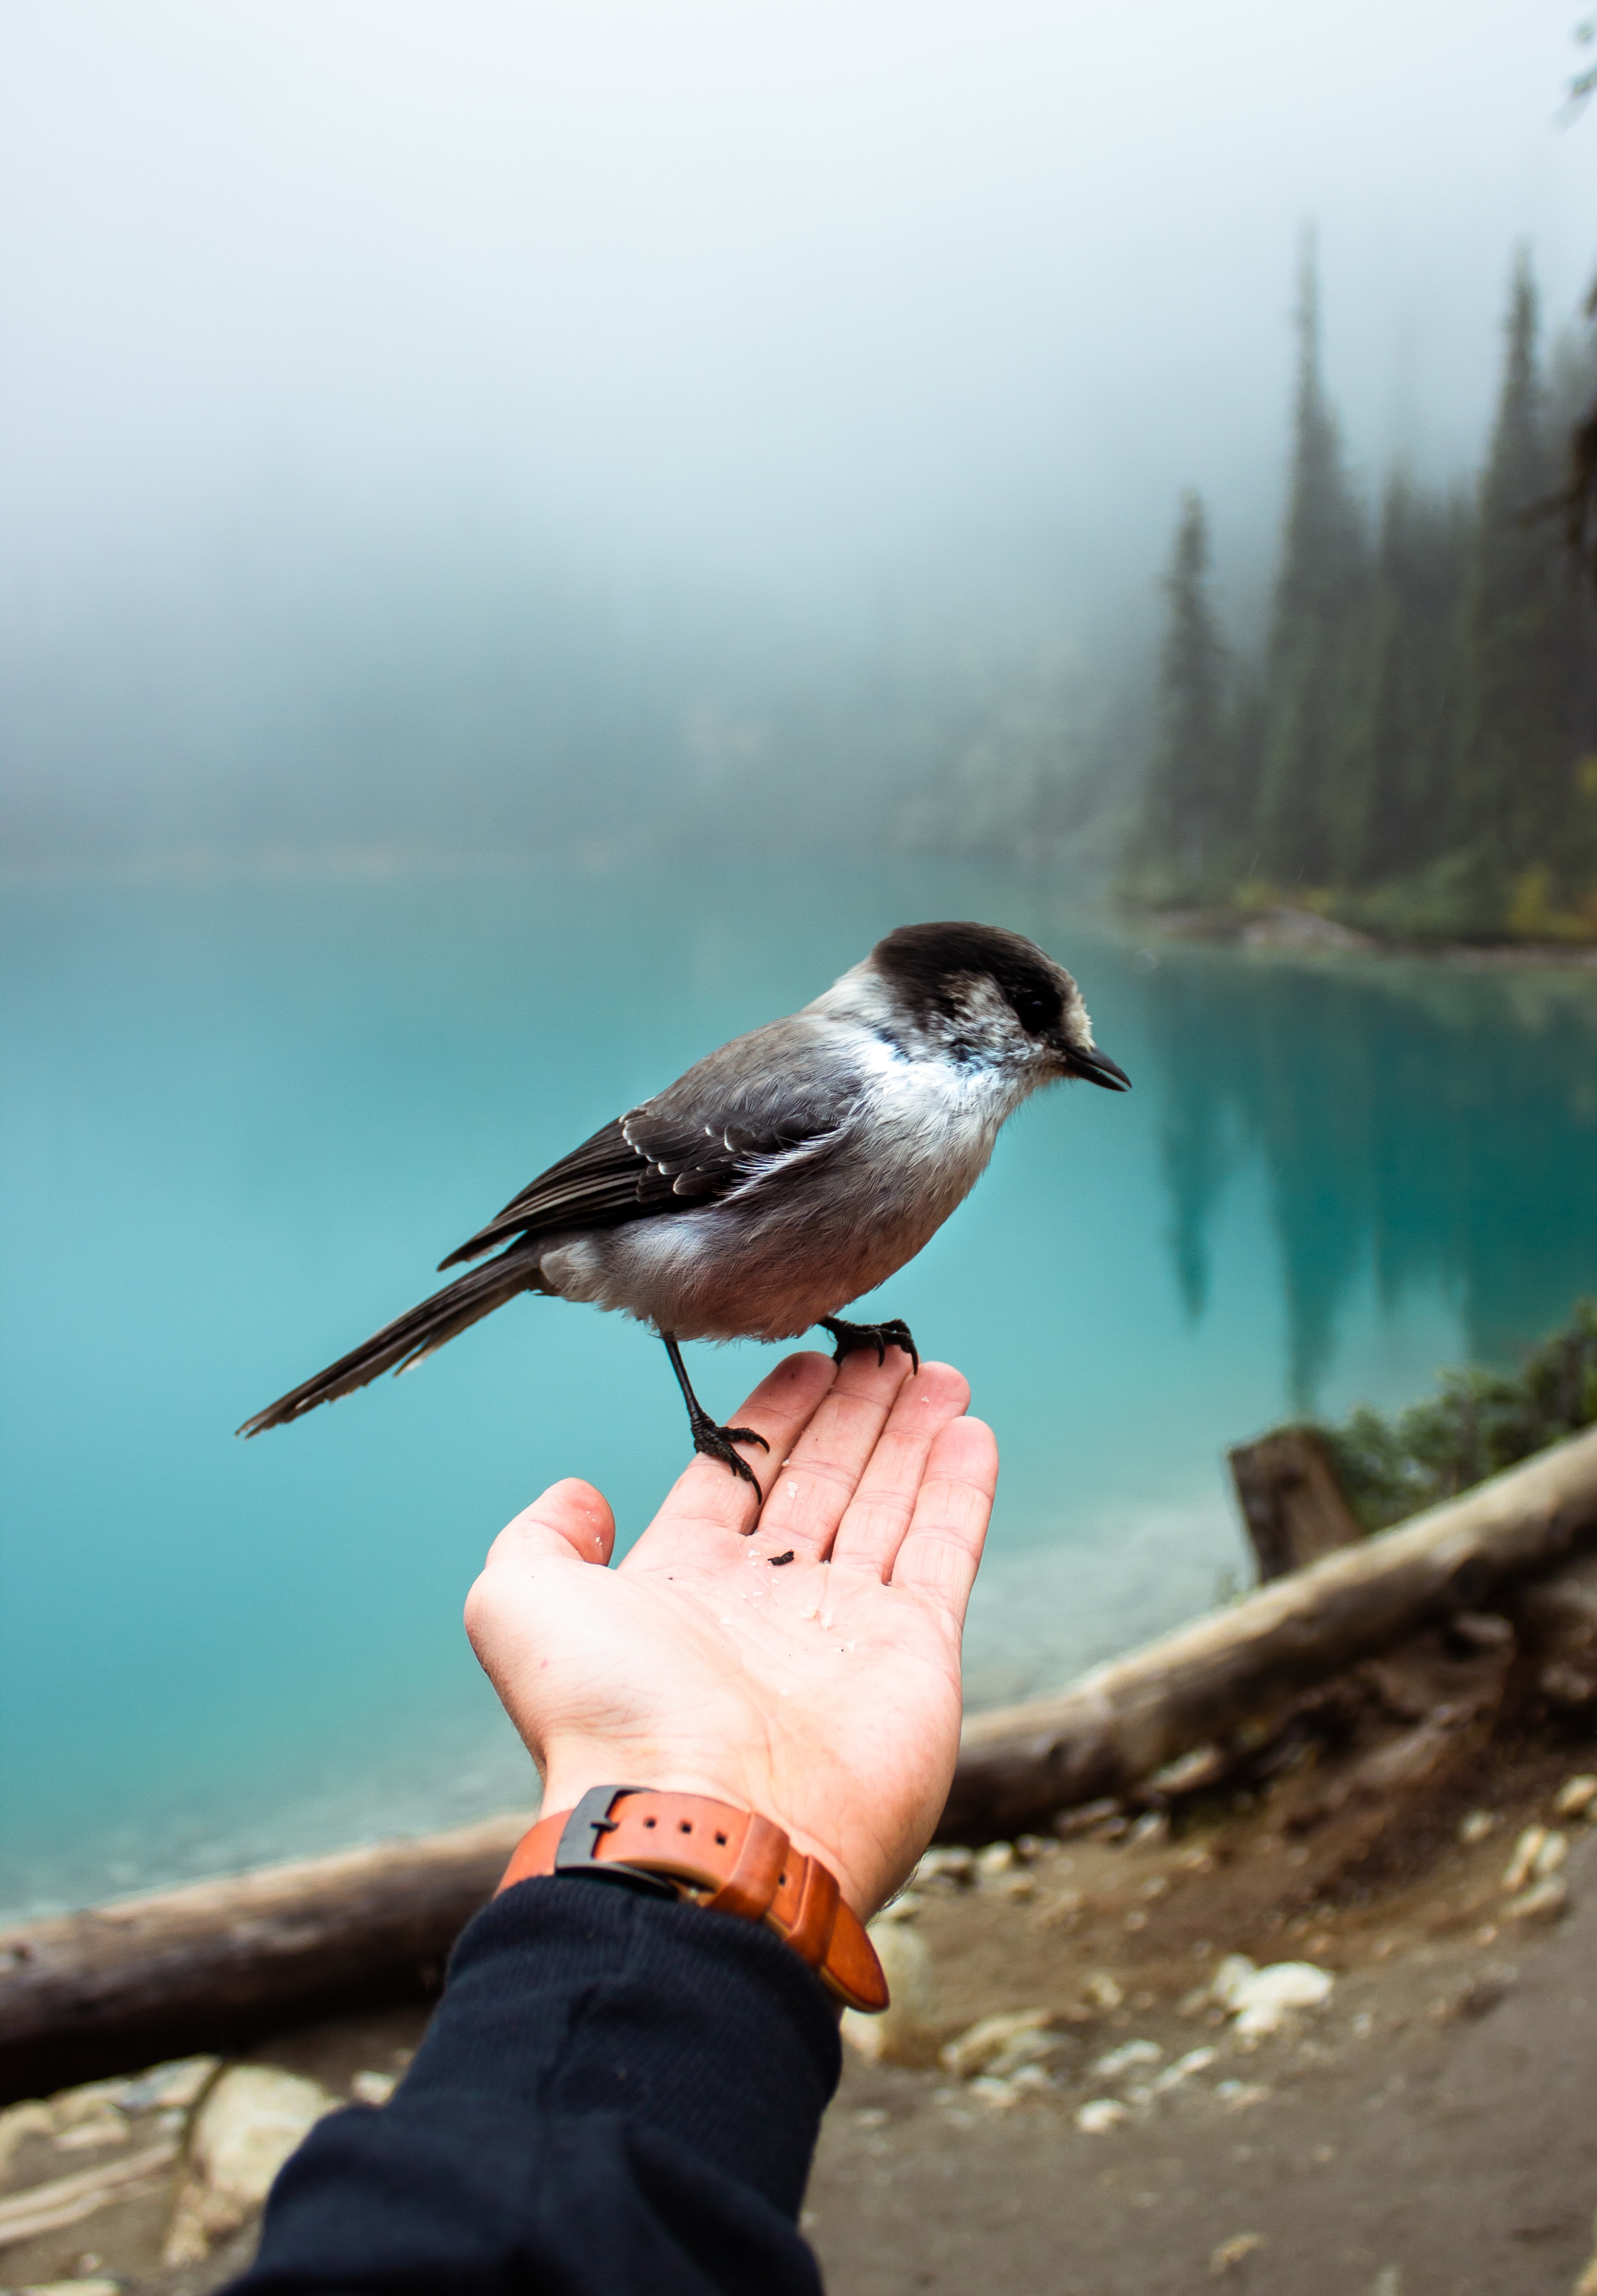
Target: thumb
(570, 1518)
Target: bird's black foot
(713, 1442)
(851, 1337)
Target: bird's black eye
(1035, 1010)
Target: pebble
(1103, 1991)
(1577, 1797)
(1537, 1854)
(1477, 1826)
(1259, 2001)
(251, 2120)
(995, 1860)
(1175, 2075)
(945, 1864)
(1090, 1817)
(903, 2034)
(1230, 2252)
(373, 2088)
(1129, 2054)
(981, 2044)
(1100, 2114)
(1544, 1902)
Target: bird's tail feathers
(404, 1343)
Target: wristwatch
(729, 1861)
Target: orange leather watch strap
(729, 1860)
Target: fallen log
(214, 1965)
(1126, 1719)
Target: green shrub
(1479, 1423)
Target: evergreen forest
(1411, 749)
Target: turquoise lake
(242, 1121)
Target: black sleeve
(616, 2093)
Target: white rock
(995, 1860)
(1100, 2114)
(1238, 2095)
(903, 2034)
(994, 2092)
(904, 1908)
(1121, 2060)
(1477, 1826)
(1544, 1902)
(1517, 1871)
(1549, 1856)
(1024, 2051)
(1196, 2061)
(945, 1864)
(1103, 1991)
(252, 2120)
(981, 2044)
(1233, 2252)
(373, 2088)
(1234, 1970)
(1577, 1797)
(1032, 2080)
(1261, 2001)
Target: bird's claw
(713, 1442)
(851, 1337)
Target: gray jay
(784, 1175)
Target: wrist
(725, 1858)
(574, 1771)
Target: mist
(497, 428)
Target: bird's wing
(778, 1092)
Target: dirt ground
(1429, 2130)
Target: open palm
(799, 1659)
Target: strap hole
(721, 1838)
(685, 1825)
(783, 1882)
(648, 1821)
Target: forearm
(615, 2094)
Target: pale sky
(766, 292)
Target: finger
(707, 1496)
(570, 1517)
(879, 1515)
(942, 1545)
(811, 1495)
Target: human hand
(822, 1693)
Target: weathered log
(214, 1965)
(1292, 1504)
(1125, 1720)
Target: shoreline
(1304, 932)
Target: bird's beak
(1097, 1067)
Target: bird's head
(975, 994)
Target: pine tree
(1189, 796)
(1312, 651)
(1523, 644)
(1399, 822)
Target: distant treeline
(1414, 748)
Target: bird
(779, 1178)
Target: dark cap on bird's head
(955, 980)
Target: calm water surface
(241, 1122)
